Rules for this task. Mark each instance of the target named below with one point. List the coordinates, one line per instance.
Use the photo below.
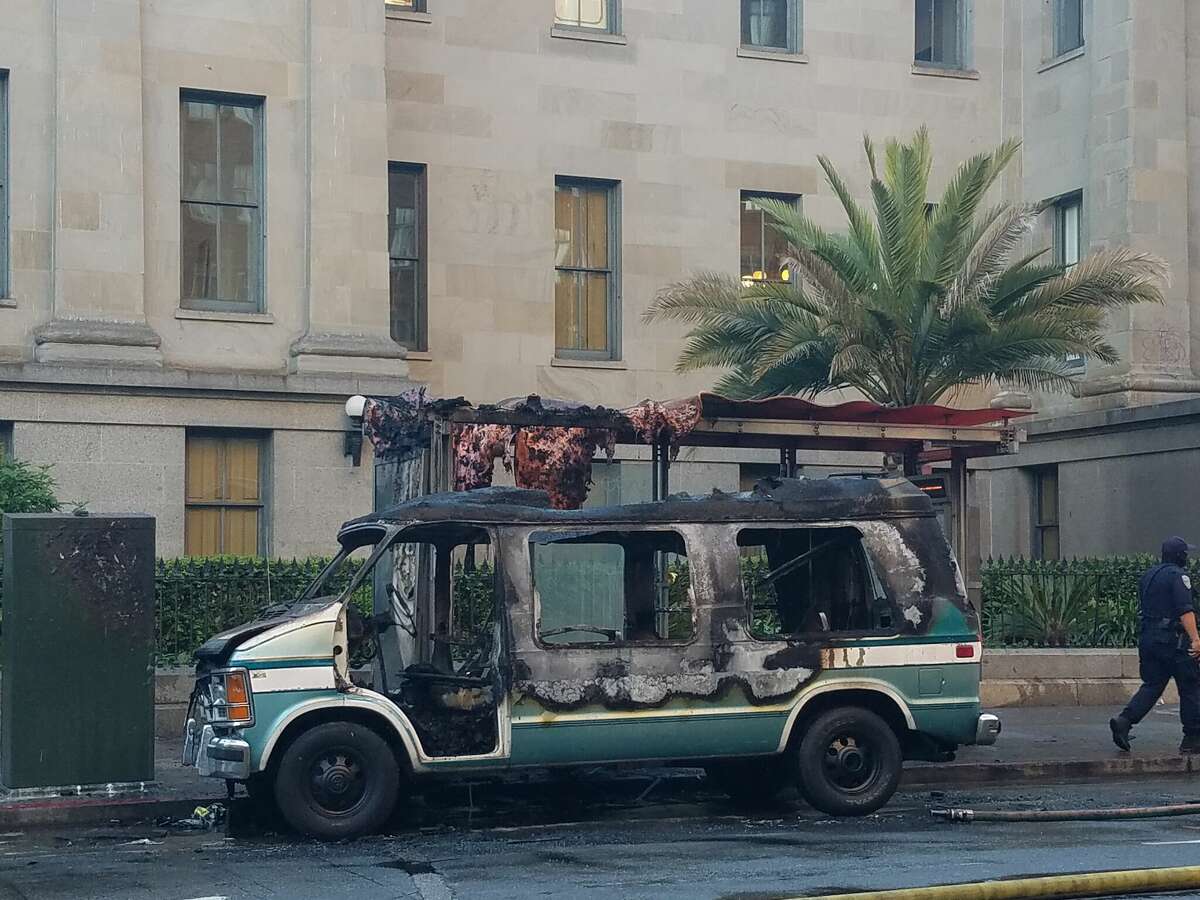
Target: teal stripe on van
(282, 663)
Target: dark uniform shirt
(1165, 592)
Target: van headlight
(227, 699)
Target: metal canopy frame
(926, 443)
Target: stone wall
(496, 106)
(1125, 481)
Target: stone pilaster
(99, 313)
(347, 302)
(1139, 185)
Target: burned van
(811, 632)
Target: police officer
(1169, 647)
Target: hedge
(199, 597)
(1068, 603)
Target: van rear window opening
(810, 581)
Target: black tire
(849, 762)
(751, 782)
(337, 780)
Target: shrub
(1069, 603)
(24, 488)
(199, 597)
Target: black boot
(1120, 731)
(1191, 744)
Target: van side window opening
(810, 581)
(605, 587)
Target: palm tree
(911, 301)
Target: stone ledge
(348, 353)
(358, 345)
(97, 331)
(1034, 664)
(72, 376)
(97, 342)
(1000, 693)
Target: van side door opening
(451, 682)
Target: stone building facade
(1111, 133)
(218, 220)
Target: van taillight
(964, 651)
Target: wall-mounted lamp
(354, 435)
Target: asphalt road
(567, 842)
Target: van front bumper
(215, 756)
(987, 729)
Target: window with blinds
(406, 254)
(941, 33)
(1068, 26)
(221, 226)
(1068, 243)
(225, 505)
(591, 15)
(4, 285)
(772, 25)
(585, 263)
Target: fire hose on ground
(1087, 884)
(1066, 815)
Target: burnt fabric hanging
(559, 461)
(476, 449)
(399, 427)
(657, 423)
(395, 427)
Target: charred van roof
(773, 499)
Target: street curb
(68, 811)
(1057, 770)
(92, 811)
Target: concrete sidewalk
(1037, 744)
(1057, 743)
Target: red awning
(714, 406)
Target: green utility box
(77, 651)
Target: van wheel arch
(374, 721)
(876, 701)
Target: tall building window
(407, 5)
(225, 504)
(4, 285)
(772, 25)
(1046, 537)
(594, 15)
(763, 247)
(221, 221)
(586, 268)
(941, 33)
(6, 441)
(406, 252)
(1068, 26)
(1068, 212)
(1068, 244)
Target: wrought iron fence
(1069, 603)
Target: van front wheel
(849, 762)
(337, 780)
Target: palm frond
(905, 306)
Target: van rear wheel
(849, 762)
(337, 780)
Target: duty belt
(1155, 620)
